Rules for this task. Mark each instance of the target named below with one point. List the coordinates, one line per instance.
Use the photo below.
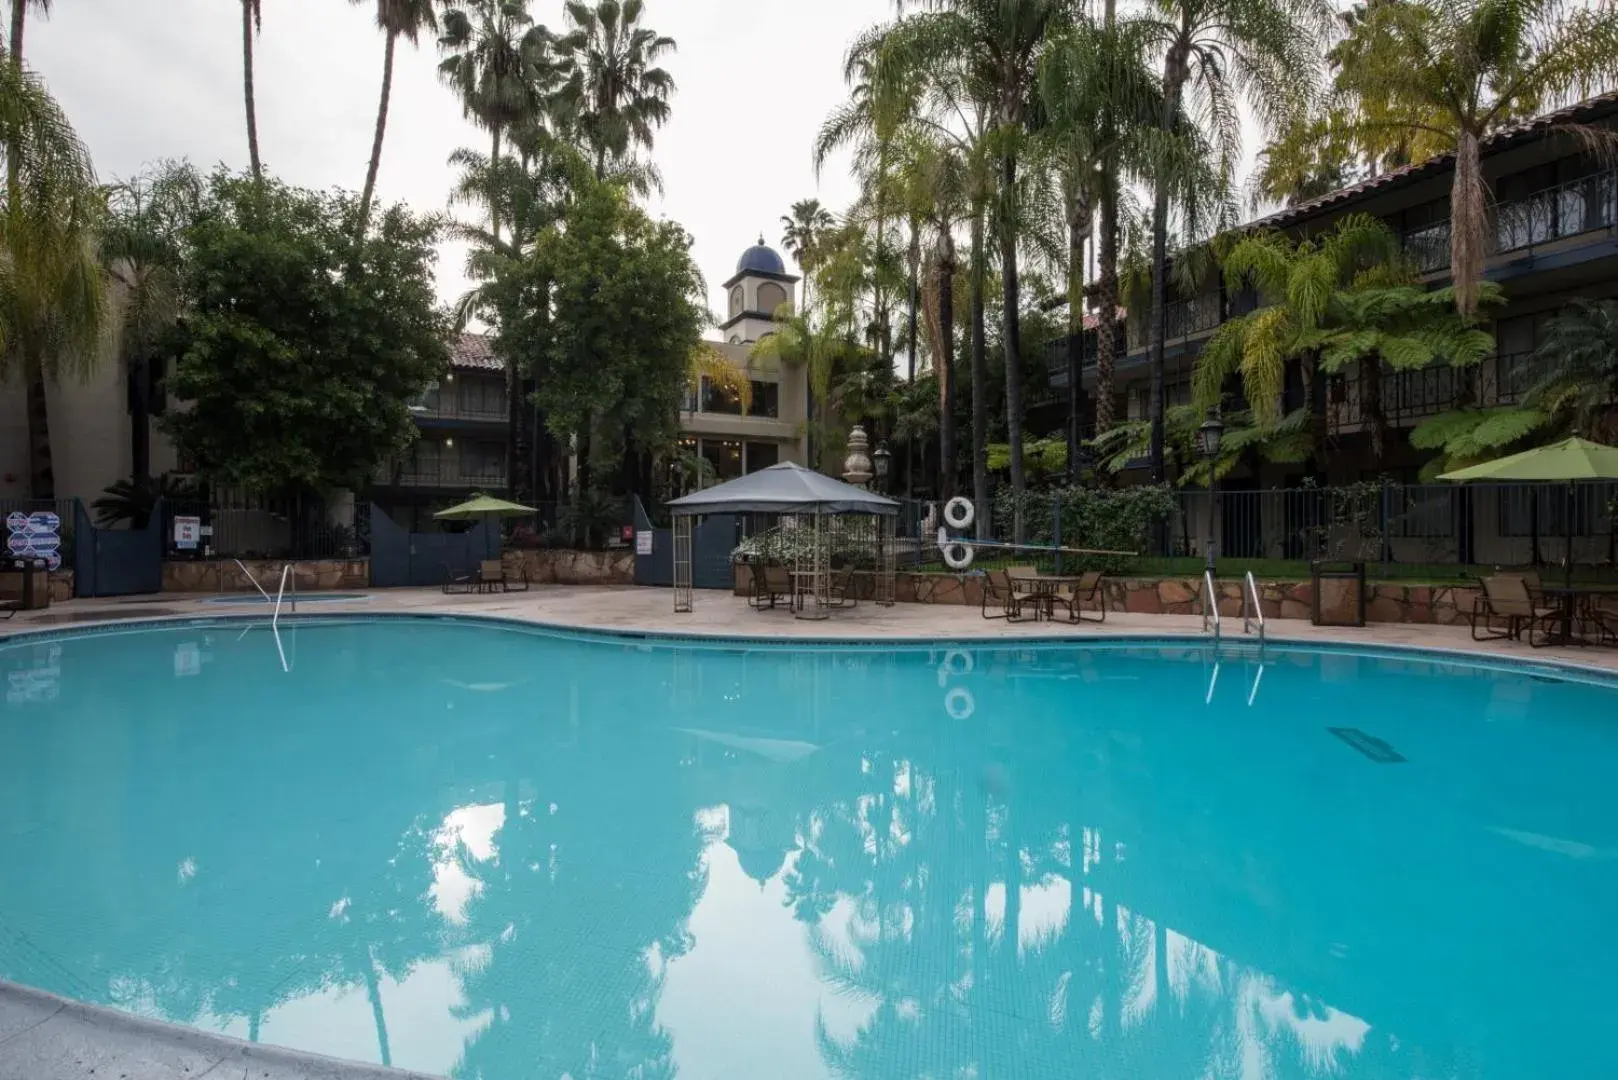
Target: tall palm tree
(1432, 75)
(1266, 50)
(141, 249)
(396, 19)
(495, 64)
(52, 295)
(14, 49)
(802, 231)
(1101, 106)
(252, 23)
(615, 92)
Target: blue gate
(401, 557)
(713, 538)
(117, 562)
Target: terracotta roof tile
(474, 352)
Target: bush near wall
(1102, 518)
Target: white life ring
(959, 513)
(958, 662)
(957, 556)
(959, 704)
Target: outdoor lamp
(1209, 436)
(881, 460)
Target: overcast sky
(150, 79)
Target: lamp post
(881, 461)
(1208, 438)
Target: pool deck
(43, 1037)
(718, 614)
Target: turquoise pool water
(504, 853)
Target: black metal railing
(447, 474)
(1553, 213)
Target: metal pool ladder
(1210, 605)
(1251, 610)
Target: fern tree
(1335, 302)
(1577, 392)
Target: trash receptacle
(33, 582)
(1338, 593)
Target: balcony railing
(1181, 318)
(442, 475)
(1588, 204)
(492, 410)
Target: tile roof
(1580, 112)
(474, 352)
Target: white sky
(149, 79)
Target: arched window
(735, 339)
(770, 297)
(735, 301)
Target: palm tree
(141, 248)
(802, 231)
(1101, 106)
(1436, 75)
(819, 345)
(1336, 300)
(615, 92)
(396, 19)
(1267, 49)
(252, 23)
(1580, 358)
(52, 296)
(496, 65)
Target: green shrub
(1119, 519)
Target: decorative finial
(761, 239)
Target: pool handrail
(249, 575)
(1250, 592)
(285, 570)
(1210, 604)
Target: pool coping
(1243, 647)
(44, 1036)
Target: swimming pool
(466, 847)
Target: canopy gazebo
(806, 500)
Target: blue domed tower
(755, 293)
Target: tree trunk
(1107, 290)
(915, 270)
(41, 477)
(946, 366)
(381, 127)
(1078, 228)
(1173, 80)
(980, 382)
(1371, 406)
(140, 419)
(494, 201)
(373, 990)
(19, 15)
(247, 87)
(1468, 225)
(1009, 334)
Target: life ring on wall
(959, 513)
(959, 704)
(957, 556)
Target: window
(484, 462)
(735, 301)
(725, 455)
(766, 399)
(483, 398)
(717, 398)
(761, 455)
(770, 297)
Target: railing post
(1056, 529)
(1384, 544)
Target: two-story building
(1553, 211)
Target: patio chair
(1602, 616)
(777, 585)
(841, 589)
(1002, 594)
(459, 580)
(492, 573)
(1086, 591)
(1506, 609)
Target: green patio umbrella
(488, 508)
(1567, 462)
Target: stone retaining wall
(61, 585)
(223, 575)
(1181, 596)
(556, 567)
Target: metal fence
(1406, 528)
(230, 527)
